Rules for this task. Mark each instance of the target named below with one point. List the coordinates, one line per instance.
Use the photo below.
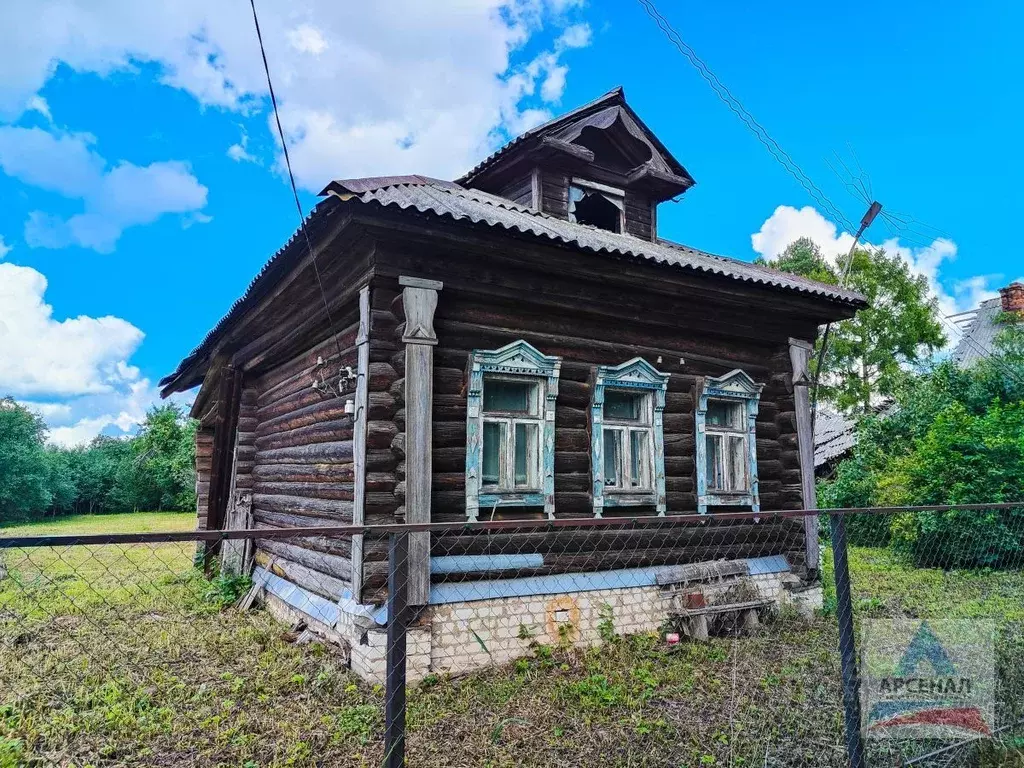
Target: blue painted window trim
(516, 359)
(635, 374)
(735, 386)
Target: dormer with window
(598, 165)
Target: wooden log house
(517, 343)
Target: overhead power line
(736, 106)
(291, 179)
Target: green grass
(126, 522)
(127, 656)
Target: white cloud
(38, 104)
(4, 248)
(364, 88)
(74, 372)
(307, 39)
(787, 224)
(113, 199)
(41, 356)
(240, 152)
(49, 411)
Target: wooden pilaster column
(359, 422)
(799, 356)
(419, 298)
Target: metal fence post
(394, 702)
(847, 643)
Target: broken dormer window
(596, 204)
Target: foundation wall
(461, 637)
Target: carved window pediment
(627, 436)
(726, 442)
(510, 429)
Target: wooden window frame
(613, 195)
(738, 388)
(638, 376)
(516, 361)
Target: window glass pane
(508, 396)
(737, 463)
(713, 461)
(623, 405)
(638, 459)
(723, 414)
(526, 452)
(611, 456)
(491, 473)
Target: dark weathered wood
(323, 507)
(314, 453)
(313, 580)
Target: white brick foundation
(464, 636)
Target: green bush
(951, 437)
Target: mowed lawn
(134, 522)
(125, 655)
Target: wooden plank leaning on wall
(225, 422)
(799, 355)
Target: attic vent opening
(597, 205)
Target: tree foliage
(24, 485)
(951, 437)
(868, 355)
(154, 470)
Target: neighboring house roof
(834, 435)
(448, 200)
(978, 339)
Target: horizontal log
(247, 423)
(314, 409)
(571, 461)
(316, 453)
(322, 584)
(328, 491)
(304, 473)
(318, 432)
(292, 519)
(380, 434)
(339, 510)
(382, 376)
(293, 550)
(778, 534)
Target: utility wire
(291, 179)
(736, 106)
(903, 224)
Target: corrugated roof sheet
(976, 342)
(443, 198)
(834, 435)
(447, 199)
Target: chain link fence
(677, 641)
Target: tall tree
(23, 468)
(868, 355)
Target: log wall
(670, 336)
(204, 460)
(297, 460)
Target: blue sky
(142, 190)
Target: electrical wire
(736, 106)
(291, 179)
